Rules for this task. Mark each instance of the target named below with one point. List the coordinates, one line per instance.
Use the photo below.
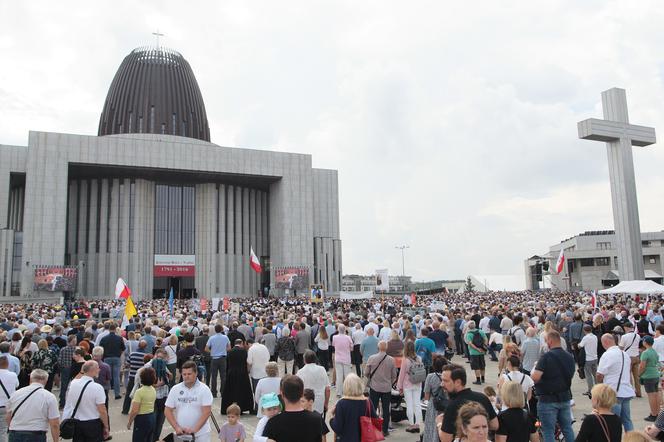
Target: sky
(452, 124)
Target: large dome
(155, 91)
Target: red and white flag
(122, 290)
(647, 306)
(593, 300)
(561, 261)
(254, 262)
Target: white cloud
(453, 125)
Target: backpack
(416, 372)
(200, 365)
(525, 395)
(440, 399)
(425, 355)
(478, 340)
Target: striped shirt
(135, 362)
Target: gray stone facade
(90, 201)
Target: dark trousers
(88, 431)
(458, 342)
(384, 398)
(126, 404)
(49, 382)
(159, 418)
(299, 360)
(64, 383)
(173, 369)
(217, 369)
(25, 436)
(493, 348)
(207, 362)
(143, 428)
(254, 382)
(324, 358)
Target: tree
(469, 287)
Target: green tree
(469, 287)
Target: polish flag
(254, 262)
(593, 300)
(561, 261)
(122, 290)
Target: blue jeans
(20, 436)
(114, 363)
(65, 372)
(549, 414)
(621, 409)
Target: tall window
(175, 220)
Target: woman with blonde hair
(345, 421)
(514, 419)
(472, 423)
(45, 359)
(601, 425)
(171, 348)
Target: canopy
(634, 287)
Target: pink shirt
(403, 382)
(343, 345)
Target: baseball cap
(270, 400)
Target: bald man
(381, 374)
(91, 414)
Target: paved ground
(639, 411)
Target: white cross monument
(620, 136)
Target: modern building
(364, 283)
(591, 262)
(153, 201)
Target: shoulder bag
(371, 428)
(374, 370)
(68, 426)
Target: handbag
(68, 426)
(371, 428)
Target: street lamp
(403, 261)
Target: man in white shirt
(484, 324)
(91, 415)
(189, 404)
(629, 343)
(38, 410)
(257, 356)
(315, 377)
(589, 344)
(659, 342)
(8, 385)
(613, 370)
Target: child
(308, 399)
(493, 397)
(233, 430)
(270, 406)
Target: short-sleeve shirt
(302, 426)
(188, 403)
(457, 400)
(611, 364)
(92, 396)
(232, 433)
(218, 344)
(652, 364)
(37, 410)
(469, 338)
(145, 396)
(513, 421)
(343, 345)
(630, 344)
(557, 367)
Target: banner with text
(348, 296)
(291, 278)
(382, 280)
(174, 265)
(55, 278)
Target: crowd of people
(284, 360)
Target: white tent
(634, 288)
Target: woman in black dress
(237, 387)
(601, 425)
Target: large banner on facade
(174, 265)
(347, 296)
(55, 278)
(291, 278)
(382, 280)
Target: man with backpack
(425, 348)
(477, 347)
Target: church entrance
(183, 287)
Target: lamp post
(403, 259)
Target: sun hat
(270, 400)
